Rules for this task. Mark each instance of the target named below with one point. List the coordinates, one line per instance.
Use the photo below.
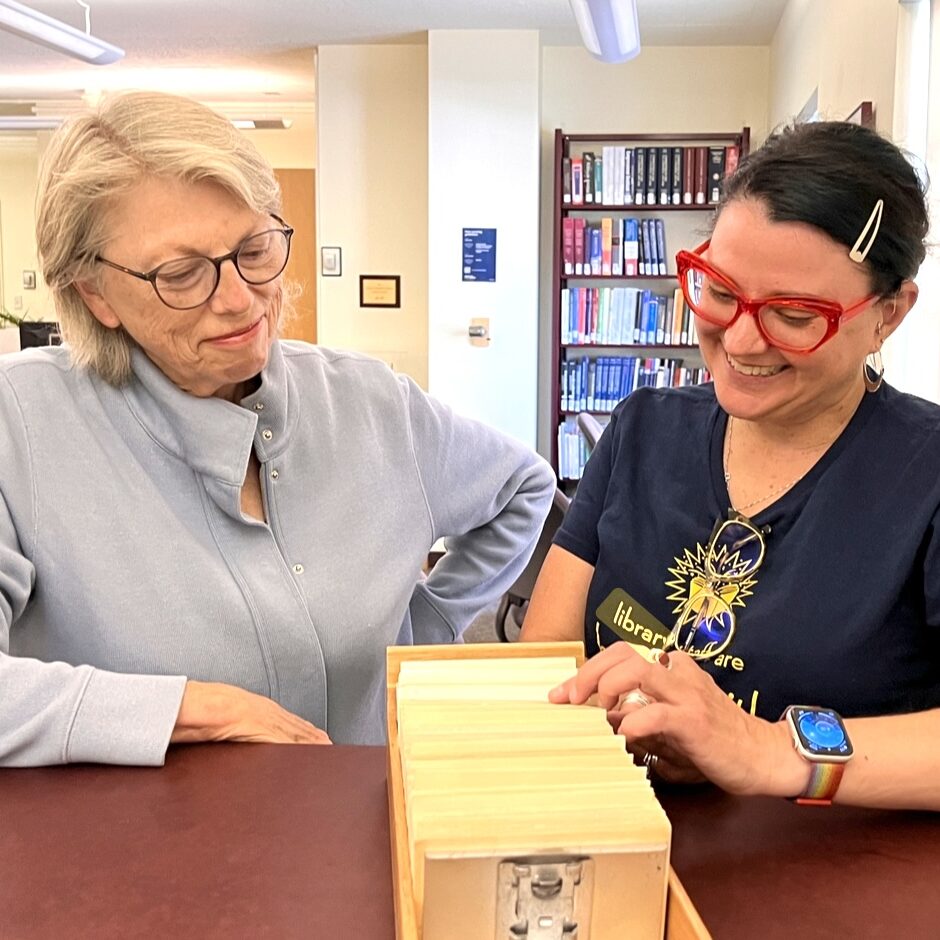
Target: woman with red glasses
(773, 538)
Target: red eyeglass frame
(832, 311)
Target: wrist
(204, 710)
(789, 773)
(820, 738)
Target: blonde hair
(97, 157)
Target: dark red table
(266, 841)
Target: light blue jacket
(126, 564)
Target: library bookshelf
(623, 205)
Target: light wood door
(298, 188)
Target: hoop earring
(873, 371)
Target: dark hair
(830, 174)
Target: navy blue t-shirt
(844, 610)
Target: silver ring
(636, 697)
(650, 760)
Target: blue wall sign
(479, 254)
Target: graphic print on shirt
(696, 594)
(626, 617)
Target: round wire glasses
(795, 324)
(187, 283)
(706, 622)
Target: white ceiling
(249, 50)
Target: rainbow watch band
(823, 782)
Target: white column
(483, 172)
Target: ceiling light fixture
(33, 122)
(262, 124)
(609, 29)
(28, 122)
(30, 24)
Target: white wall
(666, 89)
(294, 148)
(795, 59)
(849, 50)
(912, 355)
(373, 197)
(843, 48)
(858, 58)
(18, 167)
(483, 172)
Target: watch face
(821, 732)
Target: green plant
(9, 319)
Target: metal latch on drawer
(544, 898)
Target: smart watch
(819, 737)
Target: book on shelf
(579, 227)
(588, 247)
(664, 183)
(716, 173)
(660, 228)
(675, 178)
(616, 248)
(639, 182)
(688, 175)
(652, 176)
(599, 384)
(567, 245)
(701, 176)
(597, 250)
(631, 248)
(643, 246)
(732, 155)
(624, 316)
(646, 248)
(605, 188)
(652, 165)
(618, 176)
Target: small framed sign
(479, 254)
(379, 290)
(331, 262)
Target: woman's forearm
(556, 610)
(896, 763)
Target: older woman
(207, 533)
(818, 591)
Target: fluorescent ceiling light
(30, 24)
(609, 29)
(33, 122)
(28, 122)
(262, 124)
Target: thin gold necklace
(766, 496)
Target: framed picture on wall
(331, 262)
(379, 290)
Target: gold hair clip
(873, 224)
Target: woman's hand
(670, 765)
(690, 724)
(214, 711)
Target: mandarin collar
(211, 435)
